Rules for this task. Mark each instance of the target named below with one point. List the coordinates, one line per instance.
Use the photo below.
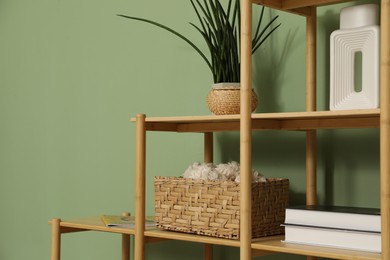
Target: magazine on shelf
(125, 221)
(333, 237)
(353, 218)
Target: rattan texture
(227, 101)
(212, 208)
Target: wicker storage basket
(212, 208)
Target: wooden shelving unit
(308, 121)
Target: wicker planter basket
(212, 208)
(224, 99)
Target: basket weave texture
(212, 208)
(227, 101)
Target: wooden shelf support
(140, 143)
(125, 242)
(385, 127)
(55, 239)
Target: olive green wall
(72, 73)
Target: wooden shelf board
(90, 224)
(300, 7)
(158, 233)
(265, 245)
(368, 118)
(291, 5)
(276, 245)
(268, 244)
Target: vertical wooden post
(311, 78)
(311, 85)
(140, 143)
(385, 127)
(208, 148)
(246, 132)
(55, 239)
(208, 252)
(208, 158)
(125, 242)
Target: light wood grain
(300, 7)
(126, 242)
(293, 4)
(270, 244)
(246, 132)
(385, 127)
(55, 239)
(311, 105)
(290, 5)
(89, 224)
(140, 199)
(276, 245)
(269, 121)
(208, 158)
(209, 119)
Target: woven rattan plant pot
(224, 99)
(212, 208)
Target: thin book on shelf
(125, 221)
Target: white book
(337, 238)
(364, 219)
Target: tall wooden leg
(139, 252)
(246, 133)
(385, 127)
(55, 239)
(208, 158)
(125, 242)
(311, 84)
(311, 176)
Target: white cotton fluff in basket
(223, 171)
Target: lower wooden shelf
(275, 244)
(269, 244)
(89, 224)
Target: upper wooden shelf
(301, 7)
(268, 121)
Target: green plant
(220, 29)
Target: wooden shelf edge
(277, 115)
(268, 245)
(90, 224)
(368, 118)
(158, 233)
(300, 7)
(277, 245)
(264, 246)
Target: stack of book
(334, 226)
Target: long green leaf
(258, 26)
(221, 30)
(171, 31)
(256, 40)
(265, 38)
